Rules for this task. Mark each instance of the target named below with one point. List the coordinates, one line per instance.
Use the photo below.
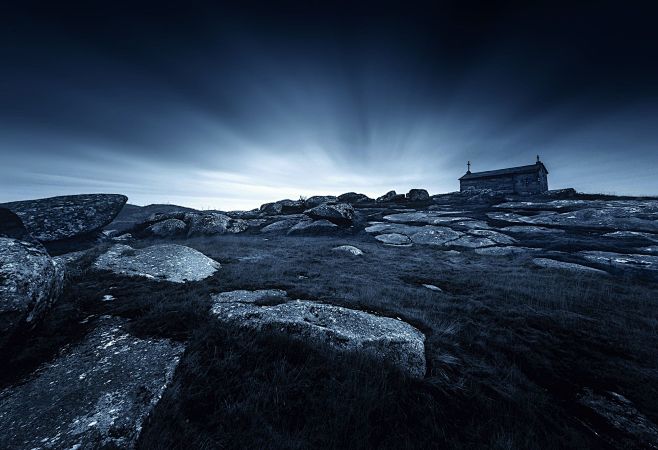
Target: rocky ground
(459, 320)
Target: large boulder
(346, 330)
(96, 394)
(338, 213)
(170, 262)
(30, 282)
(390, 196)
(353, 197)
(69, 216)
(418, 195)
(313, 228)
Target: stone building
(525, 180)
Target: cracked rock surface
(96, 394)
(343, 329)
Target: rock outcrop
(95, 395)
(30, 282)
(69, 216)
(168, 228)
(196, 223)
(317, 200)
(170, 262)
(338, 213)
(394, 239)
(418, 195)
(353, 198)
(390, 196)
(346, 330)
(283, 207)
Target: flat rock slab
(431, 235)
(630, 215)
(427, 217)
(169, 262)
(504, 251)
(530, 229)
(648, 262)
(65, 217)
(352, 250)
(394, 239)
(554, 264)
(632, 235)
(384, 339)
(96, 394)
(30, 282)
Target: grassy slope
(508, 346)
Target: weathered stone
(618, 215)
(621, 414)
(390, 196)
(313, 228)
(170, 262)
(346, 330)
(529, 229)
(417, 195)
(167, 228)
(648, 262)
(472, 241)
(56, 218)
(498, 238)
(353, 197)
(30, 282)
(553, 264)
(283, 207)
(348, 249)
(213, 223)
(376, 228)
(281, 225)
(431, 287)
(427, 217)
(430, 235)
(472, 224)
(394, 239)
(317, 200)
(339, 213)
(632, 235)
(95, 395)
(504, 251)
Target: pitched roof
(532, 168)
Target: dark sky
(227, 106)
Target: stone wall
(524, 183)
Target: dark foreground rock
(382, 338)
(95, 395)
(30, 282)
(69, 216)
(170, 262)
